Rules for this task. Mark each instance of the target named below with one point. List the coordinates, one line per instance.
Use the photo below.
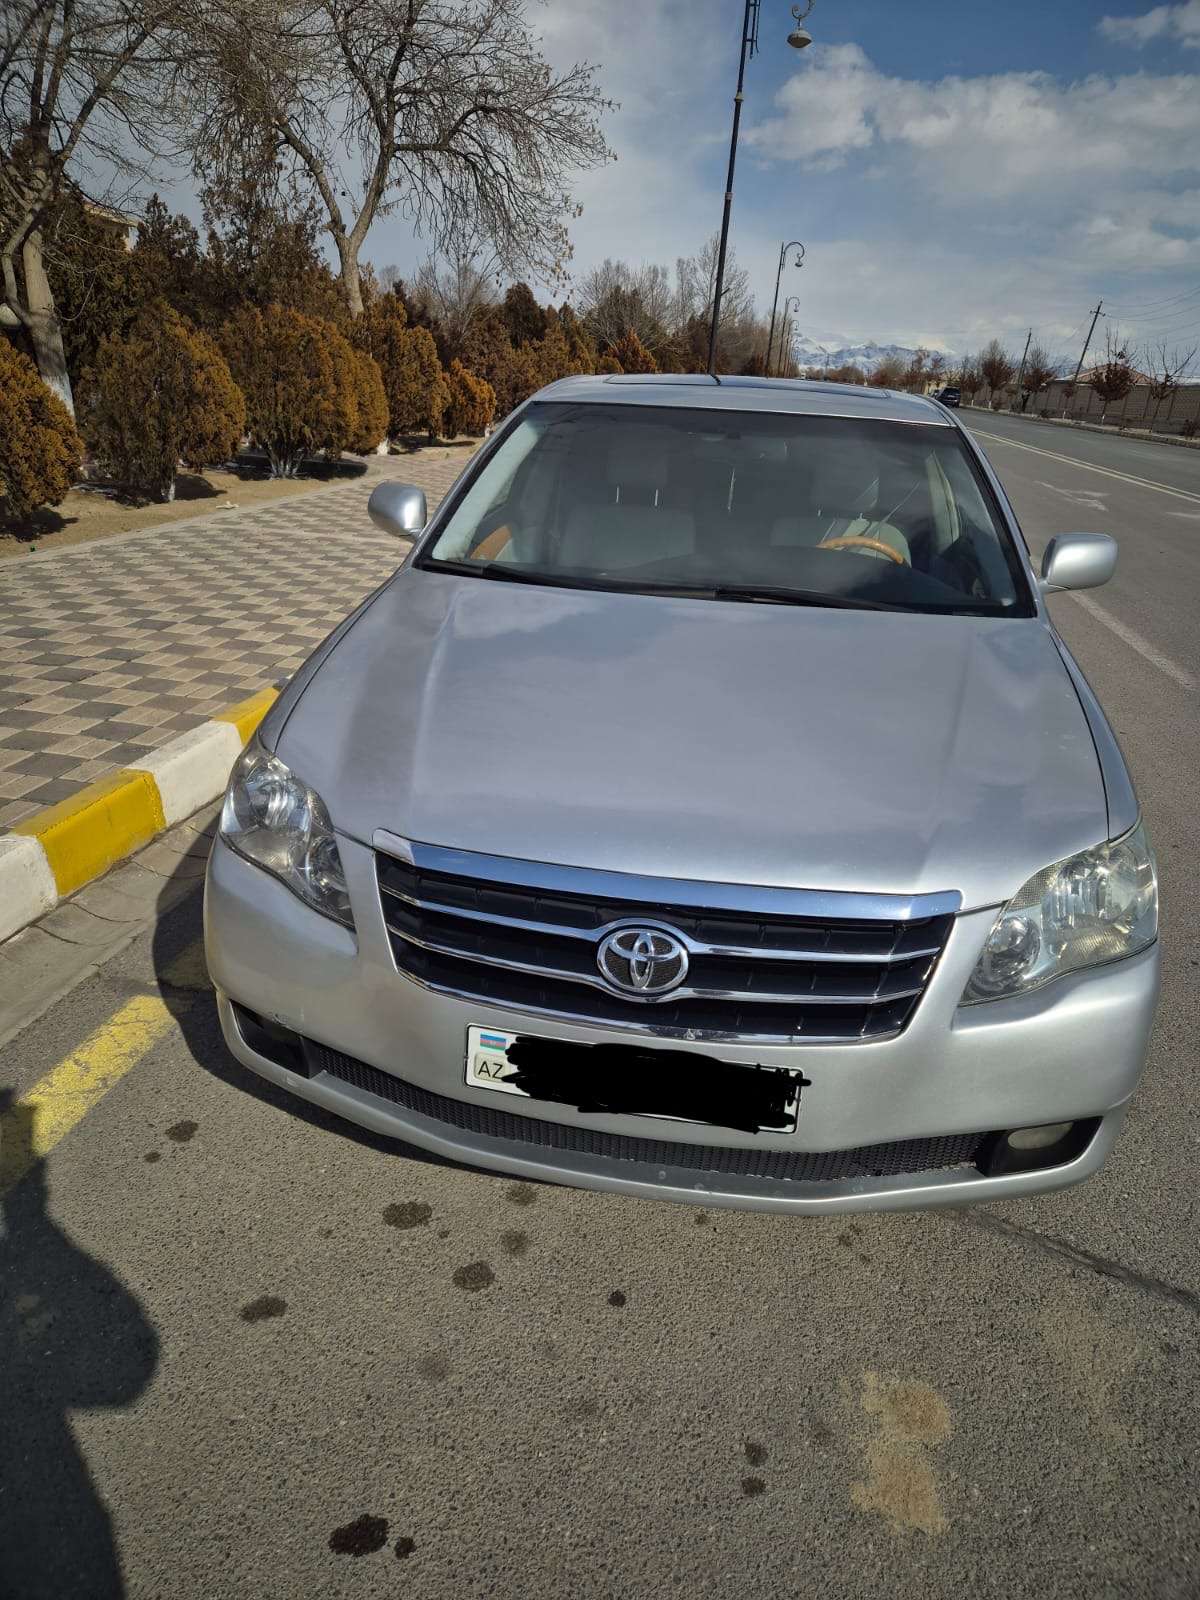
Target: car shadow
(179, 930)
(72, 1337)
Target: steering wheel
(863, 542)
(492, 534)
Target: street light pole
(783, 250)
(798, 39)
(792, 303)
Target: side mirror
(1077, 561)
(398, 508)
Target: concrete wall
(1137, 410)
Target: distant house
(122, 223)
(1089, 373)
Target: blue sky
(955, 169)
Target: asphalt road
(249, 1351)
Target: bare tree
(996, 366)
(664, 311)
(445, 109)
(1111, 379)
(696, 284)
(615, 298)
(890, 373)
(83, 85)
(456, 289)
(969, 377)
(1166, 368)
(1040, 369)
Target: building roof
(1089, 373)
(99, 213)
(796, 395)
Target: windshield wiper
(781, 595)
(502, 571)
(767, 594)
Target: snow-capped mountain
(866, 357)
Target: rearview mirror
(398, 508)
(1077, 561)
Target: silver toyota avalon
(707, 809)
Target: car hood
(728, 741)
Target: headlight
(1098, 906)
(280, 824)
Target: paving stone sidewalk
(109, 649)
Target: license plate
(488, 1066)
(627, 1080)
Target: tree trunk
(42, 324)
(347, 251)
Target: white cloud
(988, 137)
(1180, 22)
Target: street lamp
(798, 38)
(792, 303)
(792, 244)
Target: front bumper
(1071, 1051)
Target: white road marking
(1088, 466)
(1127, 635)
(1135, 641)
(1092, 499)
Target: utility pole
(1083, 352)
(1021, 368)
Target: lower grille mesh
(827, 1166)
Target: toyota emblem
(643, 961)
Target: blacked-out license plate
(628, 1080)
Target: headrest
(638, 457)
(842, 484)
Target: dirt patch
(911, 1420)
(97, 513)
(1095, 1360)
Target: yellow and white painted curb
(57, 851)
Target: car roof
(799, 396)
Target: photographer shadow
(72, 1337)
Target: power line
(1163, 300)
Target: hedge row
(166, 393)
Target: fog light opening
(1039, 1138)
(271, 1039)
(1050, 1144)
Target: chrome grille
(525, 936)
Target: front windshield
(735, 505)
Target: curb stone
(49, 856)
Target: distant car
(708, 810)
(949, 396)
